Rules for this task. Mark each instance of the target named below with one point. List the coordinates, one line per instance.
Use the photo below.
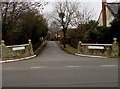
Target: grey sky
(90, 4)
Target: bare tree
(70, 14)
(82, 17)
(54, 26)
(65, 13)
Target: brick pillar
(104, 12)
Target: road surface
(56, 68)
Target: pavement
(56, 68)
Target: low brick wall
(111, 50)
(16, 51)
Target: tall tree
(68, 14)
(65, 13)
(12, 13)
(31, 25)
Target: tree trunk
(64, 43)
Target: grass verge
(68, 48)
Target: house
(108, 13)
(60, 34)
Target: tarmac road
(56, 68)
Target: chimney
(104, 12)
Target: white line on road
(37, 67)
(55, 67)
(109, 65)
(72, 66)
(8, 68)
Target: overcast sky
(91, 4)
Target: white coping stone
(18, 45)
(95, 47)
(18, 48)
(98, 44)
(36, 67)
(73, 66)
(109, 65)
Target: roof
(114, 7)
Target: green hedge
(37, 45)
(72, 42)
